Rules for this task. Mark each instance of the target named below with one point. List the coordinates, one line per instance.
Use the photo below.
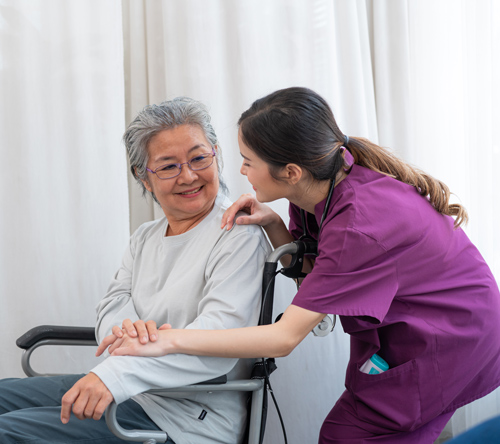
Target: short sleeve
(352, 276)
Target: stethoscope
(308, 245)
(328, 323)
(349, 161)
(306, 236)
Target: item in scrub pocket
(374, 365)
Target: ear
(147, 186)
(292, 173)
(144, 182)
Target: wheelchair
(256, 385)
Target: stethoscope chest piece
(325, 326)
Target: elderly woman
(182, 270)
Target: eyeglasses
(171, 170)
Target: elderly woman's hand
(143, 331)
(128, 346)
(258, 213)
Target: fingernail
(153, 337)
(144, 339)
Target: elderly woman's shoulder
(150, 228)
(225, 203)
(244, 231)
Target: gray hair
(167, 115)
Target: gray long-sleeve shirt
(206, 278)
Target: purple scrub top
(409, 287)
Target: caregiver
(392, 261)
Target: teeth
(192, 192)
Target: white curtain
(414, 75)
(64, 220)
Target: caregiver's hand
(258, 213)
(144, 331)
(128, 346)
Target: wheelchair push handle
(297, 250)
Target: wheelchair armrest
(256, 386)
(64, 335)
(52, 335)
(219, 380)
(58, 332)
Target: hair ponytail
(296, 125)
(376, 158)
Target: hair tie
(346, 140)
(348, 158)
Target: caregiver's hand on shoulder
(258, 213)
(128, 346)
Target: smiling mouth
(191, 191)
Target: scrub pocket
(389, 400)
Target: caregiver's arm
(273, 340)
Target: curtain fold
(64, 222)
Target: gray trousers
(30, 410)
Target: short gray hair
(167, 115)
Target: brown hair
(278, 127)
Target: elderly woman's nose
(187, 174)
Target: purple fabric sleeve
(352, 276)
